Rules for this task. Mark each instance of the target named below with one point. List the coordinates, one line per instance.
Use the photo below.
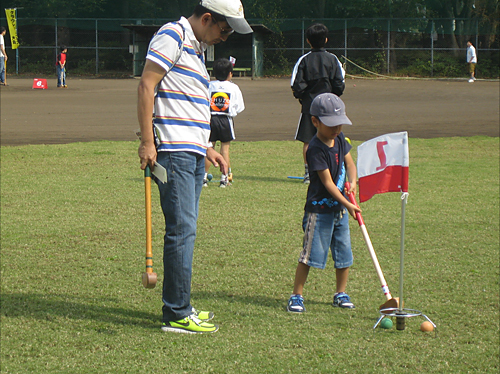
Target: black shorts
(305, 129)
(221, 128)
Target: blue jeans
(61, 76)
(179, 201)
(323, 232)
(2, 69)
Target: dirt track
(104, 109)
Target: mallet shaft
(149, 245)
(369, 245)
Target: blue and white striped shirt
(182, 106)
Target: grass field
(72, 231)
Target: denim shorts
(324, 231)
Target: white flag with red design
(383, 165)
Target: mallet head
(391, 303)
(149, 280)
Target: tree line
(483, 9)
(487, 12)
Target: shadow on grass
(56, 306)
(267, 304)
(99, 311)
(257, 300)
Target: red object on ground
(40, 83)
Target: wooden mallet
(391, 302)
(148, 278)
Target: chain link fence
(401, 47)
(397, 47)
(95, 46)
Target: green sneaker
(203, 315)
(189, 325)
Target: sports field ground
(72, 238)
(105, 109)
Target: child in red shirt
(61, 68)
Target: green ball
(348, 140)
(209, 177)
(386, 323)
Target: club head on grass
(149, 280)
(391, 303)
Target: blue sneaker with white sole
(296, 304)
(342, 300)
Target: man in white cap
(175, 87)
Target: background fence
(413, 47)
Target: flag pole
(404, 201)
(400, 321)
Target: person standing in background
(316, 72)
(3, 57)
(471, 61)
(61, 67)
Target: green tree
(171, 9)
(462, 17)
(488, 14)
(448, 11)
(104, 8)
(60, 8)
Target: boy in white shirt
(226, 101)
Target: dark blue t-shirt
(321, 157)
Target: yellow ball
(348, 140)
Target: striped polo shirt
(182, 107)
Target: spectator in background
(471, 61)
(226, 101)
(3, 57)
(61, 67)
(316, 72)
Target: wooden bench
(235, 70)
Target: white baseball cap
(232, 10)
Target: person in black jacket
(316, 72)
